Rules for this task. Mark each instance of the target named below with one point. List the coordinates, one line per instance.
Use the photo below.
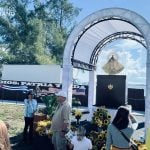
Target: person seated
(4, 138)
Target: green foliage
(51, 102)
(62, 15)
(35, 32)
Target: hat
(61, 93)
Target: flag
(14, 88)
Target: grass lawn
(13, 114)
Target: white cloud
(134, 67)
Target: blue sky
(131, 54)
(89, 6)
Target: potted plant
(78, 115)
(50, 102)
(43, 135)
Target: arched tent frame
(140, 31)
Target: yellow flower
(99, 123)
(109, 116)
(38, 129)
(100, 137)
(42, 123)
(106, 122)
(49, 123)
(78, 113)
(43, 127)
(96, 118)
(98, 109)
(142, 147)
(101, 115)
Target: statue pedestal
(111, 90)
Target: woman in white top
(80, 141)
(124, 122)
(30, 109)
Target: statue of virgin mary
(113, 66)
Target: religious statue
(113, 66)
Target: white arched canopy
(94, 32)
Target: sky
(130, 53)
(89, 6)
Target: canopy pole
(92, 90)
(67, 79)
(147, 99)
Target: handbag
(133, 144)
(116, 148)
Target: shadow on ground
(39, 143)
(18, 144)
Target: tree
(35, 31)
(59, 17)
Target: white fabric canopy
(93, 30)
(95, 33)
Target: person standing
(124, 122)
(61, 122)
(30, 108)
(4, 138)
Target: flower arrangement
(50, 103)
(43, 128)
(101, 118)
(98, 139)
(78, 114)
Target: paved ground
(139, 133)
